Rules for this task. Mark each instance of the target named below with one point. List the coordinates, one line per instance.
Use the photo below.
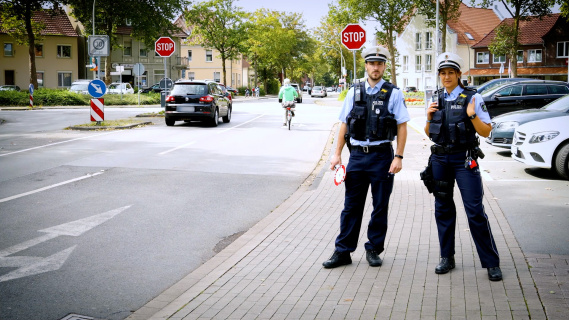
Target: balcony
(182, 62)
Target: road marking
(217, 132)
(49, 187)
(28, 266)
(55, 143)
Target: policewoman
(373, 115)
(453, 123)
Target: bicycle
(288, 116)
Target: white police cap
(449, 60)
(377, 53)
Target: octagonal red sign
(164, 46)
(353, 36)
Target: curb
(130, 126)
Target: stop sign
(164, 46)
(353, 36)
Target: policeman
(373, 114)
(453, 122)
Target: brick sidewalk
(274, 271)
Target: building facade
(543, 53)
(417, 48)
(57, 53)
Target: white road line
(55, 143)
(49, 187)
(217, 132)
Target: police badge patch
(483, 106)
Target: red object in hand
(473, 164)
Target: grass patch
(110, 123)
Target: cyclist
(288, 95)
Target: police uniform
(454, 157)
(371, 115)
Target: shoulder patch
(483, 106)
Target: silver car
(319, 91)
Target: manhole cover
(73, 316)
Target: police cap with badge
(377, 53)
(449, 60)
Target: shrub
(63, 97)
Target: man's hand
(396, 165)
(334, 161)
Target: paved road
(98, 223)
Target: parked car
(154, 88)
(329, 89)
(503, 126)
(494, 83)
(544, 143)
(410, 89)
(232, 90)
(80, 86)
(319, 91)
(118, 88)
(197, 100)
(297, 87)
(9, 87)
(523, 95)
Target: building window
(469, 36)
(418, 63)
(563, 49)
(405, 63)
(38, 48)
(183, 73)
(534, 55)
(428, 62)
(40, 79)
(191, 75)
(520, 57)
(189, 55)
(63, 51)
(217, 76)
(8, 49)
(418, 44)
(428, 40)
(143, 53)
(482, 57)
(127, 50)
(208, 56)
(499, 59)
(64, 79)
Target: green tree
(448, 11)
(392, 15)
(564, 9)
(219, 25)
(16, 21)
(149, 20)
(507, 35)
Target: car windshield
(114, 86)
(561, 104)
(80, 87)
(317, 88)
(188, 89)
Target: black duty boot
(338, 259)
(373, 258)
(494, 274)
(445, 265)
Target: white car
(80, 86)
(544, 143)
(116, 88)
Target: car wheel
(215, 120)
(170, 122)
(562, 162)
(227, 118)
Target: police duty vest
(370, 118)
(450, 125)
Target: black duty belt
(438, 149)
(368, 149)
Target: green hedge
(62, 97)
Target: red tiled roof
(521, 71)
(56, 23)
(530, 32)
(127, 30)
(478, 22)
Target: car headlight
(543, 136)
(508, 125)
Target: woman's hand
(470, 111)
(433, 107)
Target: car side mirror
(497, 96)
